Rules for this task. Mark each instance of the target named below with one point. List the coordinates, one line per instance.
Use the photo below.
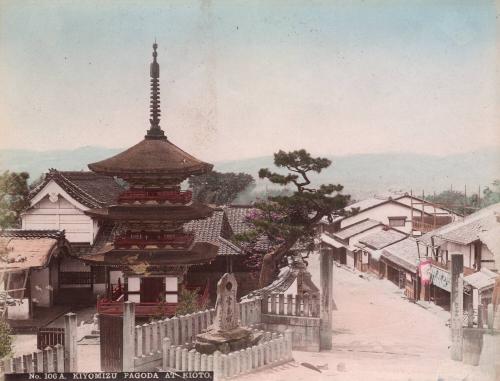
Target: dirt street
(378, 335)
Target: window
(171, 289)
(397, 221)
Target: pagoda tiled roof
(90, 189)
(151, 157)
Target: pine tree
(287, 220)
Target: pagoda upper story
(146, 224)
(155, 160)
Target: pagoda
(142, 248)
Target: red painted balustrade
(158, 195)
(160, 239)
(141, 309)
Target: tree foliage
(460, 203)
(491, 195)
(220, 188)
(287, 220)
(5, 339)
(189, 302)
(14, 192)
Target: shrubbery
(5, 339)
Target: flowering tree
(281, 222)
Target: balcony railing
(159, 239)
(160, 196)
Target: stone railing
(295, 312)
(58, 358)
(274, 349)
(291, 305)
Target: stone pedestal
(226, 341)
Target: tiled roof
(356, 228)
(466, 230)
(28, 248)
(367, 203)
(89, 188)
(31, 234)
(403, 253)
(482, 279)
(211, 228)
(214, 229)
(382, 238)
(228, 248)
(151, 157)
(236, 215)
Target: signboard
(425, 272)
(441, 278)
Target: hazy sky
(246, 78)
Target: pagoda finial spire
(155, 131)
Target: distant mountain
(362, 175)
(38, 162)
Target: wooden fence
(57, 358)
(49, 337)
(291, 305)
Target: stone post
(491, 315)
(175, 330)
(59, 358)
(203, 362)
(138, 341)
(217, 366)
(166, 343)
(178, 358)
(457, 306)
(49, 355)
(70, 348)
(326, 278)
(210, 363)
(128, 351)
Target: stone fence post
(70, 348)
(128, 352)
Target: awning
(331, 241)
(482, 280)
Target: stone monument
(226, 334)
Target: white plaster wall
(486, 254)
(114, 275)
(21, 311)
(466, 250)
(53, 208)
(40, 289)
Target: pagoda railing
(160, 196)
(160, 239)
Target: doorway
(152, 289)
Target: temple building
(132, 233)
